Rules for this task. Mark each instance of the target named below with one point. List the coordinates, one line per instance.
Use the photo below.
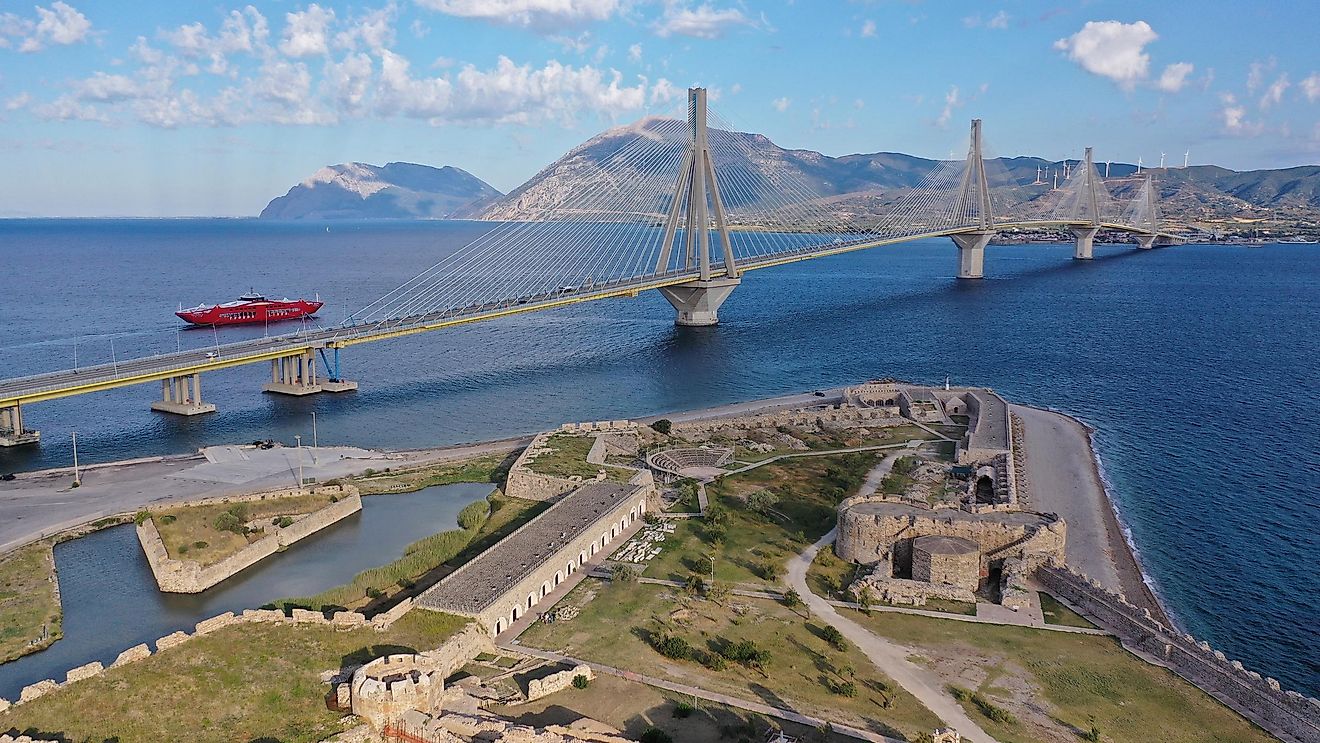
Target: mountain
(394, 191)
(864, 184)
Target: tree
(717, 591)
(664, 425)
(623, 573)
(768, 569)
(762, 501)
(655, 735)
(865, 599)
(834, 637)
(716, 515)
(673, 646)
(694, 584)
(792, 599)
(581, 682)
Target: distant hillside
(395, 191)
(865, 183)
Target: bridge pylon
(974, 198)
(1083, 248)
(1144, 213)
(696, 200)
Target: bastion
(953, 561)
(385, 688)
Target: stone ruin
(387, 687)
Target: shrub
(684, 709)
(200, 545)
(672, 646)
(984, 705)
(282, 521)
(1092, 735)
(227, 521)
(768, 569)
(664, 425)
(834, 637)
(374, 593)
(623, 573)
(716, 515)
(140, 517)
(717, 591)
(714, 662)
(655, 735)
(792, 598)
(474, 515)
(844, 689)
(651, 519)
(694, 584)
(747, 653)
(581, 682)
(762, 501)
(168, 518)
(183, 549)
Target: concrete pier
(293, 375)
(697, 303)
(1146, 242)
(182, 395)
(971, 253)
(1082, 251)
(12, 432)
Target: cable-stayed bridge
(684, 205)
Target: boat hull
(247, 313)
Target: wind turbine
(1138, 165)
(1186, 157)
(1161, 161)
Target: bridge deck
(65, 383)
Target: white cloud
(735, 89)
(1174, 77)
(104, 88)
(663, 92)
(999, 21)
(18, 101)
(193, 41)
(952, 100)
(859, 104)
(868, 29)
(1274, 93)
(1111, 49)
(635, 53)
(60, 24)
(305, 31)
(373, 30)
(1234, 117)
(702, 22)
(781, 104)
(1311, 87)
(347, 82)
(1257, 71)
(539, 14)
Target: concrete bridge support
(293, 375)
(1146, 242)
(12, 432)
(1082, 251)
(971, 253)
(697, 303)
(182, 395)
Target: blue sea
(1198, 366)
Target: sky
(115, 108)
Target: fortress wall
(468, 642)
(188, 576)
(1286, 715)
(840, 415)
(864, 538)
(521, 482)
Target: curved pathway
(887, 656)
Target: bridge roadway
(69, 382)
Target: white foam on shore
(1108, 486)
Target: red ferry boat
(250, 308)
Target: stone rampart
(869, 530)
(7, 738)
(843, 416)
(460, 650)
(522, 482)
(132, 655)
(387, 687)
(1286, 715)
(544, 687)
(188, 576)
(384, 619)
(87, 671)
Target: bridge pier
(971, 253)
(182, 395)
(697, 303)
(1146, 242)
(1082, 251)
(12, 432)
(293, 375)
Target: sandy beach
(1065, 479)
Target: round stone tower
(950, 560)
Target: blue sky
(179, 108)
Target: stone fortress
(916, 551)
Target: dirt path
(889, 657)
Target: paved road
(43, 503)
(889, 657)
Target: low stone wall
(844, 416)
(902, 591)
(523, 483)
(188, 576)
(341, 621)
(624, 444)
(1286, 715)
(544, 687)
(460, 650)
(7, 738)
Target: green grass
(243, 683)
(1074, 681)
(615, 625)
(568, 457)
(425, 561)
(29, 601)
(1057, 613)
(808, 489)
(182, 527)
(490, 468)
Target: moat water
(1197, 365)
(111, 602)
